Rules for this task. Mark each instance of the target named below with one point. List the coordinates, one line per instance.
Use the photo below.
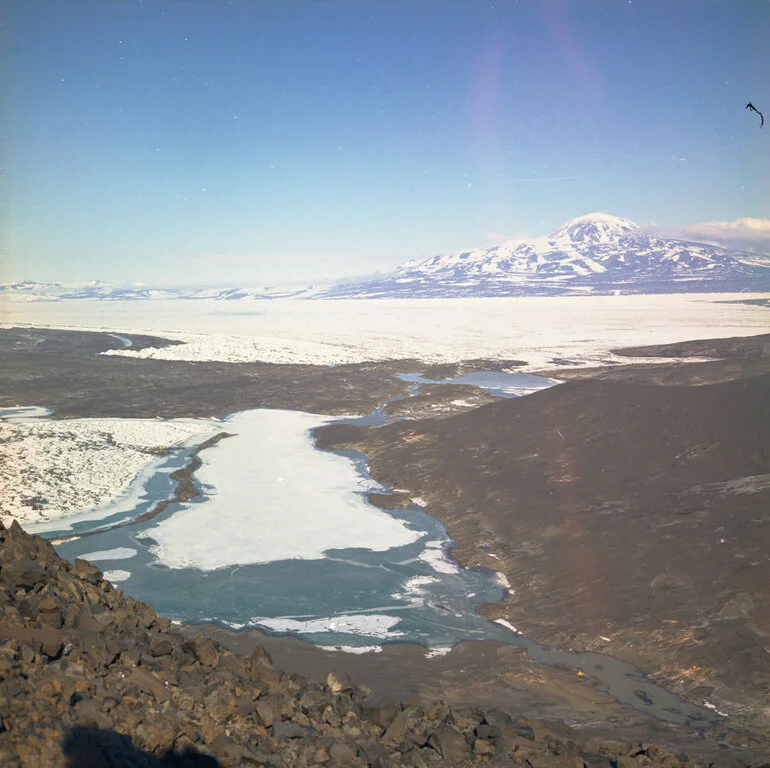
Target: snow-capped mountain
(597, 253)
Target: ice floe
(116, 576)
(119, 553)
(435, 556)
(414, 591)
(277, 498)
(363, 625)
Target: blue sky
(258, 141)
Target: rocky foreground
(89, 677)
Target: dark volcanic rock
(629, 518)
(67, 374)
(449, 744)
(138, 694)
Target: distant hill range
(29, 290)
(593, 254)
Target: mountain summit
(596, 253)
(594, 228)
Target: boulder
(450, 744)
(89, 573)
(288, 730)
(381, 715)
(26, 574)
(203, 650)
(339, 682)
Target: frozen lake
(538, 330)
(283, 537)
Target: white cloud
(750, 234)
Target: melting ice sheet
(273, 496)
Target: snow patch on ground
(24, 413)
(502, 581)
(507, 625)
(357, 649)
(51, 469)
(432, 653)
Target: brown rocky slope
(90, 678)
(629, 518)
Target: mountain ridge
(597, 253)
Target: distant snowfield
(537, 330)
(274, 496)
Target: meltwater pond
(501, 383)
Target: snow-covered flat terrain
(50, 469)
(536, 329)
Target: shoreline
(184, 491)
(142, 678)
(480, 673)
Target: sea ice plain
(536, 330)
